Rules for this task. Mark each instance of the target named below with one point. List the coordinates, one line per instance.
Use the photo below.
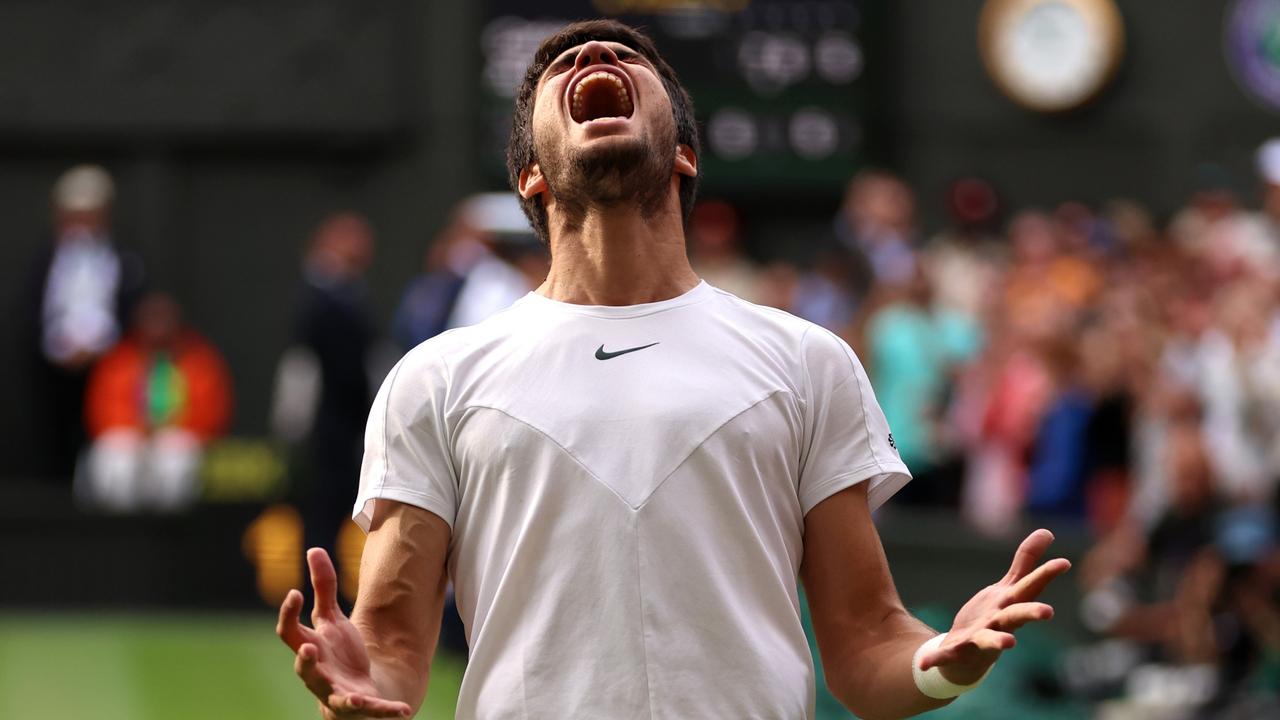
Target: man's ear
(531, 182)
(686, 161)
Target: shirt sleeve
(407, 454)
(846, 437)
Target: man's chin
(611, 170)
(614, 154)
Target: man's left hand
(984, 627)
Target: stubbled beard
(619, 173)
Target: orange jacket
(116, 394)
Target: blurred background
(1050, 228)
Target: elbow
(841, 683)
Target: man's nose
(595, 53)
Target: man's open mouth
(600, 95)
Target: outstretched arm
(866, 637)
(377, 663)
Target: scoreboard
(780, 87)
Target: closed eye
(629, 56)
(559, 65)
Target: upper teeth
(623, 97)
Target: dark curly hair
(520, 150)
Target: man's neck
(617, 256)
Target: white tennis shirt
(627, 489)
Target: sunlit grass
(136, 667)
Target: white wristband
(930, 682)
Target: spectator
(877, 224)
(965, 260)
(1000, 402)
(778, 285)
(1250, 242)
(715, 249)
(1132, 571)
(823, 294)
(429, 300)
(334, 329)
(1113, 362)
(509, 261)
(913, 353)
(153, 402)
(1059, 464)
(1238, 383)
(1047, 283)
(871, 246)
(1213, 198)
(1218, 233)
(486, 259)
(81, 288)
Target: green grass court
(163, 667)
(197, 667)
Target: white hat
(497, 213)
(84, 187)
(1269, 161)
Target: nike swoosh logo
(602, 355)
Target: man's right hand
(331, 658)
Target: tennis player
(626, 472)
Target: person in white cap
(80, 288)
(1232, 242)
(1253, 240)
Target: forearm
(874, 678)
(398, 667)
(866, 637)
(400, 631)
(399, 607)
(869, 641)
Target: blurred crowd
(1087, 364)
(1081, 365)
